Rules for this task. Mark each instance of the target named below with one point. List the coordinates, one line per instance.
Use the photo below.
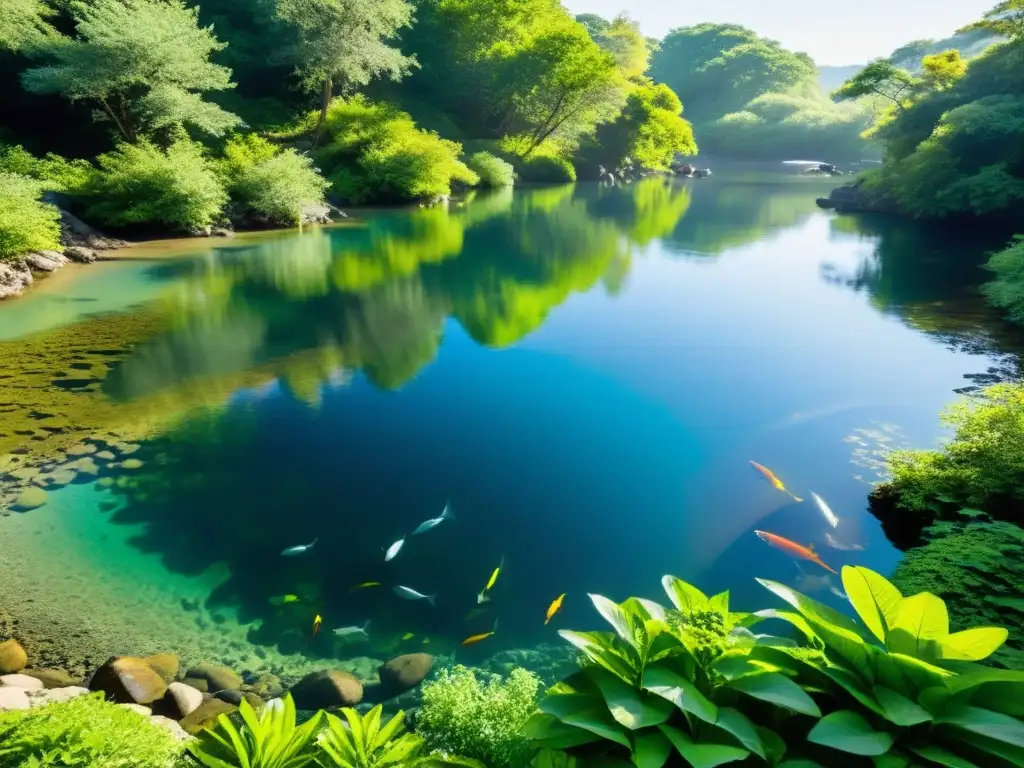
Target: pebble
(13, 698)
(21, 681)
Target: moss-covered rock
(978, 570)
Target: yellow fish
(474, 639)
(279, 600)
(482, 597)
(367, 584)
(316, 624)
(408, 636)
(555, 607)
(771, 478)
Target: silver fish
(394, 549)
(350, 631)
(428, 525)
(842, 547)
(300, 549)
(411, 594)
(828, 513)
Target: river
(582, 374)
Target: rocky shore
(853, 198)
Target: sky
(833, 33)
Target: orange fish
(316, 624)
(474, 639)
(555, 607)
(771, 478)
(793, 549)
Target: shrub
(376, 154)
(270, 183)
(142, 184)
(25, 223)
(479, 719)
(86, 732)
(1007, 290)
(548, 169)
(55, 173)
(493, 171)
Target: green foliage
(26, 224)
(24, 25)
(622, 38)
(86, 732)
(981, 467)
(268, 740)
(365, 743)
(1006, 18)
(916, 695)
(142, 184)
(269, 183)
(53, 172)
(548, 169)
(1006, 291)
(479, 719)
(143, 62)
(492, 170)
(942, 70)
(717, 69)
(880, 78)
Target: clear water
(583, 373)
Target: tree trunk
(325, 102)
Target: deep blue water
(582, 373)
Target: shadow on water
(363, 310)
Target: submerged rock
(217, 678)
(206, 715)
(403, 673)
(56, 695)
(12, 657)
(53, 678)
(164, 664)
(128, 680)
(171, 726)
(327, 688)
(179, 702)
(21, 681)
(13, 698)
(29, 499)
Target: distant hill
(970, 44)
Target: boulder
(30, 498)
(53, 678)
(171, 726)
(206, 715)
(164, 664)
(12, 657)
(13, 698)
(237, 697)
(197, 683)
(403, 673)
(56, 695)
(80, 254)
(217, 678)
(315, 213)
(327, 688)
(46, 261)
(14, 279)
(128, 680)
(24, 682)
(179, 702)
(266, 685)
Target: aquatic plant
(673, 681)
(85, 732)
(479, 718)
(268, 740)
(916, 698)
(361, 742)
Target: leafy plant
(478, 719)
(26, 224)
(548, 169)
(673, 681)
(917, 698)
(493, 171)
(268, 740)
(142, 184)
(85, 732)
(53, 172)
(364, 743)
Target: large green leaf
(675, 688)
(923, 616)
(735, 723)
(612, 613)
(720, 603)
(906, 674)
(551, 732)
(600, 648)
(774, 745)
(973, 644)
(629, 706)
(854, 686)
(994, 725)
(645, 609)
(849, 732)
(874, 598)
(795, 619)
(998, 689)
(899, 709)
(685, 597)
(891, 760)
(780, 690)
(1011, 754)
(652, 749)
(581, 712)
(800, 764)
(941, 756)
(702, 755)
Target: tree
(23, 24)
(623, 40)
(943, 70)
(595, 25)
(145, 62)
(1006, 19)
(880, 78)
(345, 42)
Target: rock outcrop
(15, 277)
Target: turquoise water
(582, 373)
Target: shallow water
(582, 373)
